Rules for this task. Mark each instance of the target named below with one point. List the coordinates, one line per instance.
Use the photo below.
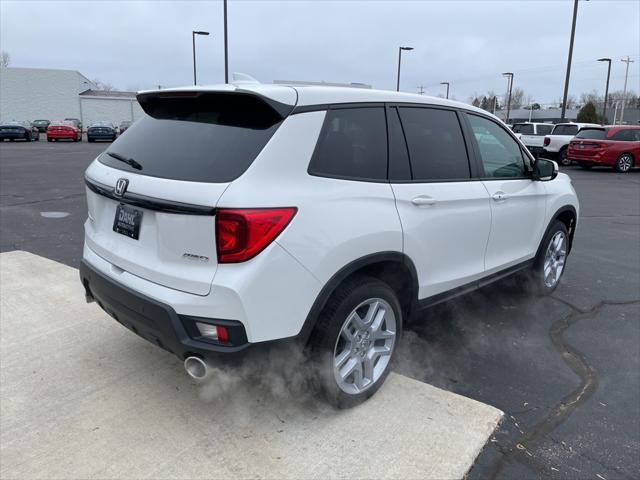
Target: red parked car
(613, 146)
(63, 129)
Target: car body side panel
(338, 221)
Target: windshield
(592, 133)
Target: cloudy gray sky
(139, 44)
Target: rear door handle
(424, 201)
(500, 196)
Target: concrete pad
(82, 397)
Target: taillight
(243, 233)
(547, 141)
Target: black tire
(624, 163)
(534, 280)
(562, 157)
(90, 140)
(49, 139)
(586, 166)
(327, 335)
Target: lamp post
(226, 51)
(566, 80)
(509, 75)
(400, 49)
(624, 93)
(193, 38)
(447, 84)
(606, 90)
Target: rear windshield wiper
(128, 161)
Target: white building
(41, 93)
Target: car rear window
(523, 128)
(565, 130)
(544, 129)
(592, 133)
(196, 139)
(352, 145)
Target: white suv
(230, 217)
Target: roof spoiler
(153, 101)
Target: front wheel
(355, 339)
(624, 163)
(549, 264)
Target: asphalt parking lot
(563, 369)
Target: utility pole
(193, 38)
(606, 90)
(624, 93)
(509, 75)
(421, 89)
(447, 84)
(226, 49)
(566, 80)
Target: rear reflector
(546, 141)
(241, 234)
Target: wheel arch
(394, 268)
(567, 215)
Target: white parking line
(82, 397)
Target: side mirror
(544, 170)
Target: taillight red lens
(547, 141)
(241, 234)
(223, 334)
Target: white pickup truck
(532, 135)
(556, 143)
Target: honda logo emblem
(121, 187)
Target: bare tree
(104, 86)
(5, 59)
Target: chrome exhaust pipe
(196, 368)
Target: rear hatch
(173, 165)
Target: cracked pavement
(564, 369)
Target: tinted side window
(544, 129)
(399, 167)
(500, 153)
(565, 130)
(352, 144)
(526, 129)
(436, 145)
(625, 135)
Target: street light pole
(509, 75)
(606, 90)
(447, 84)
(193, 38)
(624, 93)
(400, 49)
(566, 80)
(226, 50)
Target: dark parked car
(41, 125)
(124, 125)
(18, 130)
(101, 131)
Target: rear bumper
(101, 136)
(159, 323)
(62, 136)
(590, 160)
(13, 135)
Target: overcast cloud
(137, 44)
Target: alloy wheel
(555, 259)
(624, 163)
(364, 346)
